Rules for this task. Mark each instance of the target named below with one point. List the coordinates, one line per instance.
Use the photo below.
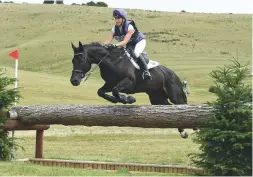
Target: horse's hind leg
(175, 94)
(159, 98)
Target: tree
(102, 4)
(226, 146)
(91, 3)
(59, 2)
(48, 2)
(7, 99)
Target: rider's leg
(139, 48)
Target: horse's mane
(98, 44)
(95, 44)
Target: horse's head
(81, 64)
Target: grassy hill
(191, 44)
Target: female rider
(127, 34)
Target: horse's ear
(80, 46)
(74, 48)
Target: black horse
(121, 76)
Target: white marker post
(16, 77)
(14, 55)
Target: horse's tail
(184, 96)
(185, 87)
(174, 87)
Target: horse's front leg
(102, 93)
(124, 86)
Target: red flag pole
(14, 55)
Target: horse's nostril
(74, 82)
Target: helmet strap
(123, 21)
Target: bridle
(85, 58)
(86, 76)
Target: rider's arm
(126, 39)
(109, 38)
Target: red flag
(14, 54)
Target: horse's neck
(109, 66)
(110, 57)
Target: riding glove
(110, 46)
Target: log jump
(150, 116)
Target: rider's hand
(110, 46)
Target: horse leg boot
(144, 68)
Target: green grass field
(24, 169)
(191, 44)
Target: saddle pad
(151, 64)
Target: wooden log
(17, 125)
(151, 116)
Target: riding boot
(144, 68)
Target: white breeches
(139, 47)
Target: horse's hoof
(184, 134)
(123, 99)
(131, 100)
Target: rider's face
(118, 21)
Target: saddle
(129, 52)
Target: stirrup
(147, 74)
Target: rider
(126, 33)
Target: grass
(24, 169)
(122, 145)
(191, 44)
(112, 144)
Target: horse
(121, 76)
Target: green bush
(91, 3)
(59, 2)
(99, 4)
(226, 145)
(48, 2)
(102, 4)
(7, 99)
